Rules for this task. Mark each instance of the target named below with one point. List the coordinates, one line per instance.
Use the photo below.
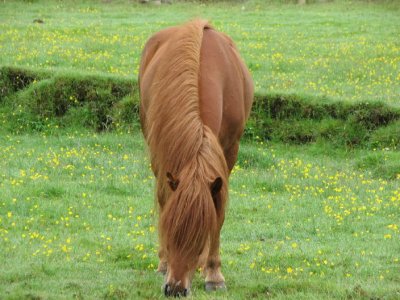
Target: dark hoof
(215, 286)
(169, 291)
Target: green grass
(314, 198)
(345, 50)
(303, 222)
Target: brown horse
(196, 95)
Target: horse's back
(225, 90)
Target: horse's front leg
(162, 253)
(162, 264)
(214, 280)
(212, 267)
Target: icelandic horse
(196, 95)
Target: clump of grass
(13, 79)
(96, 102)
(300, 119)
(387, 137)
(382, 164)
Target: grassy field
(345, 51)
(77, 221)
(314, 198)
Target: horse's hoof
(169, 291)
(185, 292)
(215, 286)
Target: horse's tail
(193, 213)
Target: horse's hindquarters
(225, 91)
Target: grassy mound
(32, 102)
(13, 80)
(299, 119)
(37, 101)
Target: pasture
(308, 218)
(342, 51)
(77, 221)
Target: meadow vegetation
(314, 198)
(345, 51)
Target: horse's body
(196, 95)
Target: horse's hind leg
(231, 155)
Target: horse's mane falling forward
(196, 95)
(174, 129)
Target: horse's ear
(173, 183)
(216, 186)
